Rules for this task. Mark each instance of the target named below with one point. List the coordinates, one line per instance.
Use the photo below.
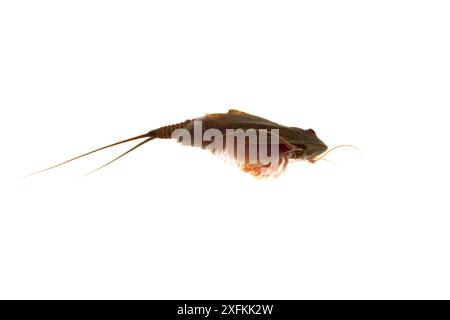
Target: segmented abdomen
(166, 131)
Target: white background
(169, 221)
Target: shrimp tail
(160, 133)
(146, 135)
(120, 156)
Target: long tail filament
(146, 135)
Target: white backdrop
(169, 221)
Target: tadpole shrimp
(294, 143)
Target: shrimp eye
(311, 131)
